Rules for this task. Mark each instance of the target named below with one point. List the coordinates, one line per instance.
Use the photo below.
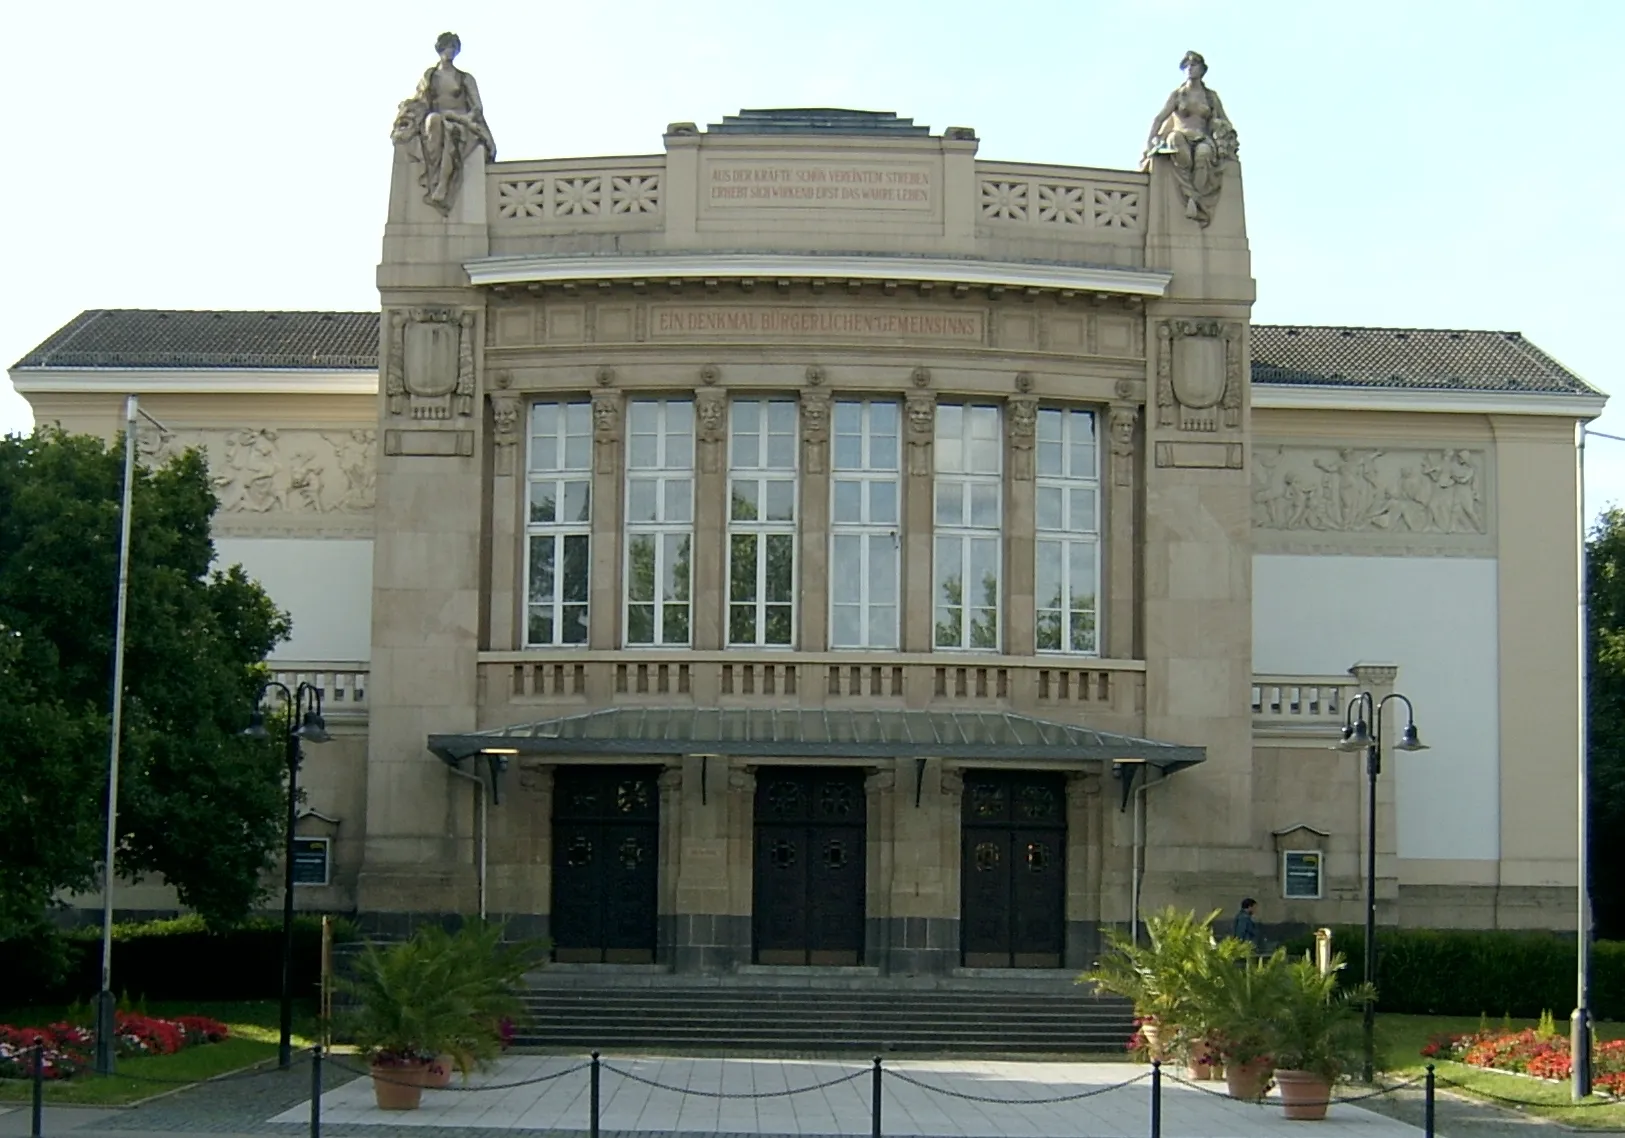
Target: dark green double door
(606, 864)
(809, 866)
(1013, 870)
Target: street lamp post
(1362, 730)
(304, 725)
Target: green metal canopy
(815, 734)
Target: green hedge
(1469, 973)
(177, 959)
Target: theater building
(812, 545)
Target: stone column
(1021, 421)
(711, 931)
(604, 611)
(507, 499)
(520, 852)
(708, 576)
(1083, 869)
(671, 853)
(812, 587)
(879, 864)
(1378, 679)
(919, 432)
(1120, 533)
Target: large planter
(398, 1086)
(1246, 1081)
(1304, 1095)
(1151, 1032)
(438, 1073)
(1203, 1064)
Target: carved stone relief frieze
(922, 422)
(814, 430)
(1320, 497)
(271, 480)
(1022, 422)
(429, 363)
(1121, 422)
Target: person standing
(1246, 925)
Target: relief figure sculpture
(1360, 490)
(442, 123)
(1196, 134)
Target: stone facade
(823, 264)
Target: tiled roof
(817, 120)
(1420, 359)
(143, 338)
(1283, 355)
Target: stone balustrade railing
(561, 683)
(1059, 199)
(343, 684)
(1309, 707)
(578, 193)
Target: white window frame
(671, 464)
(867, 531)
(958, 477)
(558, 469)
(1320, 875)
(750, 460)
(1073, 543)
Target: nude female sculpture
(1193, 130)
(442, 123)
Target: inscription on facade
(818, 185)
(800, 324)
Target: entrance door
(606, 830)
(1013, 870)
(810, 834)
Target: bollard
(316, 1089)
(37, 1121)
(1156, 1098)
(593, 1097)
(1427, 1105)
(874, 1102)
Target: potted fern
(1314, 1035)
(1237, 1004)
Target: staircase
(773, 1012)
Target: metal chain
(1091, 1093)
(736, 1094)
(461, 1089)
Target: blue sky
(1424, 164)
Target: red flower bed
(69, 1047)
(1529, 1052)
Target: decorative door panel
(606, 866)
(1013, 870)
(809, 880)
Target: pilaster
(919, 602)
(1021, 421)
(813, 584)
(709, 555)
(608, 489)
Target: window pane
(848, 452)
(1083, 510)
(781, 500)
(848, 505)
(1048, 507)
(643, 417)
(950, 422)
(848, 417)
(781, 452)
(540, 630)
(950, 450)
(743, 501)
(573, 625)
(1047, 576)
(541, 568)
(950, 570)
(643, 452)
(640, 567)
(742, 567)
(674, 624)
(883, 626)
(982, 585)
(742, 624)
(950, 503)
(543, 507)
(781, 551)
(679, 434)
(777, 627)
(675, 571)
(1083, 459)
(883, 503)
(641, 497)
(747, 421)
(679, 499)
(781, 417)
(578, 419)
(984, 504)
(1081, 574)
(882, 570)
(640, 624)
(1049, 459)
(845, 626)
(1048, 631)
(845, 552)
(577, 499)
(577, 571)
(578, 452)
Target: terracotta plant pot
(1304, 1095)
(1246, 1081)
(1203, 1063)
(1152, 1034)
(398, 1086)
(438, 1073)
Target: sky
(1433, 163)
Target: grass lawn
(253, 1039)
(1400, 1040)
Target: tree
(198, 803)
(1605, 696)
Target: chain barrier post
(37, 1121)
(1156, 1098)
(593, 1097)
(1427, 1105)
(316, 1089)
(874, 1101)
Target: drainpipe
(1139, 855)
(481, 811)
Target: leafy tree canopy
(1605, 588)
(198, 803)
